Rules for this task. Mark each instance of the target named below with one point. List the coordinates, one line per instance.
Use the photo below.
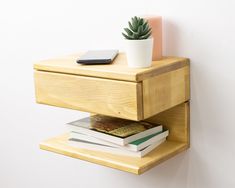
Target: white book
(136, 145)
(115, 130)
(113, 150)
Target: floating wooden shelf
(168, 149)
(158, 94)
(175, 119)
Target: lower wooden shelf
(166, 150)
(176, 120)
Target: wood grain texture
(176, 120)
(157, 93)
(118, 70)
(165, 91)
(96, 95)
(166, 150)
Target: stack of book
(115, 135)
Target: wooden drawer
(96, 95)
(114, 90)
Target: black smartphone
(98, 57)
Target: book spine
(153, 140)
(142, 134)
(96, 134)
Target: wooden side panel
(165, 91)
(96, 95)
(176, 120)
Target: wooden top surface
(134, 165)
(118, 70)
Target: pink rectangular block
(155, 22)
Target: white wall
(34, 30)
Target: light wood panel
(102, 96)
(165, 91)
(176, 120)
(118, 70)
(166, 150)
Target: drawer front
(96, 95)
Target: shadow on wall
(165, 174)
(187, 168)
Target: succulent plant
(138, 29)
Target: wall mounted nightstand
(157, 94)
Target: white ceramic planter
(139, 52)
